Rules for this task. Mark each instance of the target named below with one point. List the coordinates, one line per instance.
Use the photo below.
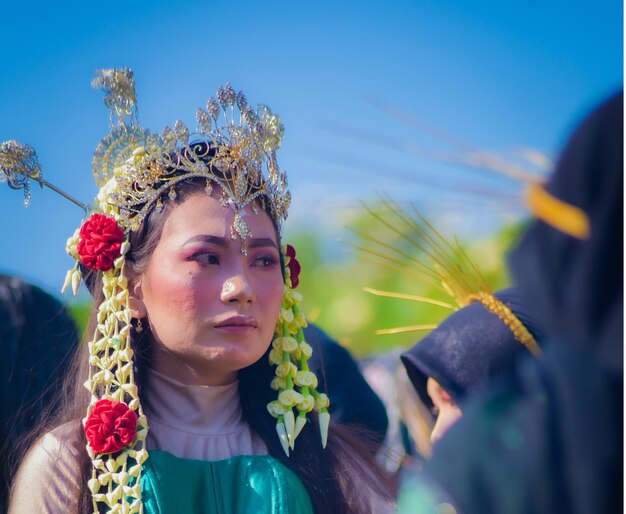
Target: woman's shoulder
(60, 449)
(65, 437)
(49, 478)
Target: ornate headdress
(136, 170)
(443, 264)
(240, 156)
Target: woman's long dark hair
(336, 478)
(343, 478)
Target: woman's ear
(135, 299)
(438, 394)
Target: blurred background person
(37, 336)
(482, 337)
(550, 438)
(464, 353)
(407, 442)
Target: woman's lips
(237, 324)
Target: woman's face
(212, 310)
(448, 411)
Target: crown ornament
(294, 382)
(233, 147)
(19, 165)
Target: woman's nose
(236, 289)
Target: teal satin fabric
(247, 484)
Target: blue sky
(499, 75)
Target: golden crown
(234, 147)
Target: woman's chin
(234, 357)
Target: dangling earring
(295, 383)
(139, 327)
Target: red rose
(293, 265)
(99, 242)
(110, 426)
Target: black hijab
(576, 286)
(469, 348)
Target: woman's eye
(206, 258)
(264, 261)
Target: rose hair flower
(110, 426)
(293, 265)
(100, 240)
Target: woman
(192, 297)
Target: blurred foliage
(333, 288)
(335, 300)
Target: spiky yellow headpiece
(442, 263)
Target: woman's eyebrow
(256, 242)
(216, 240)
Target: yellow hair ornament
(559, 214)
(518, 329)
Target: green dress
(204, 459)
(246, 484)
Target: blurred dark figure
(550, 439)
(353, 401)
(36, 337)
(469, 349)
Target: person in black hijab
(36, 337)
(468, 349)
(576, 284)
(550, 438)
